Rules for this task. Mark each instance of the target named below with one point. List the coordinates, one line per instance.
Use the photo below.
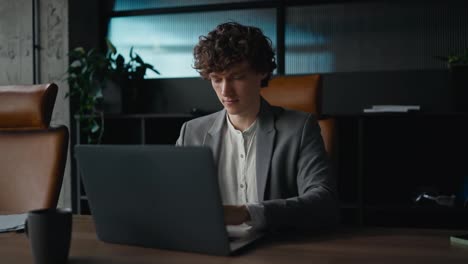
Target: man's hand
(236, 214)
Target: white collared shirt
(237, 171)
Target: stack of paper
(459, 240)
(13, 222)
(392, 108)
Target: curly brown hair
(231, 43)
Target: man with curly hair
(272, 167)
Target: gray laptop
(157, 196)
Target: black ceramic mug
(49, 233)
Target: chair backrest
(32, 155)
(302, 93)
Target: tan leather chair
(302, 93)
(32, 155)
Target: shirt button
(242, 156)
(242, 186)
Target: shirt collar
(249, 131)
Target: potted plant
(90, 73)
(128, 76)
(86, 74)
(458, 70)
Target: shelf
(417, 209)
(145, 116)
(135, 129)
(414, 216)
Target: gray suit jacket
(293, 175)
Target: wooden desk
(369, 245)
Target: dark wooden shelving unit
(161, 128)
(387, 159)
(384, 160)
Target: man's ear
(264, 80)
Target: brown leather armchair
(32, 155)
(302, 93)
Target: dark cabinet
(387, 160)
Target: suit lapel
(265, 140)
(213, 137)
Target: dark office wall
(349, 93)
(85, 25)
(343, 93)
(178, 95)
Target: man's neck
(242, 122)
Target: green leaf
(98, 94)
(151, 67)
(91, 77)
(138, 59)
(140, 72)
(95, 127)
(120, 62)
(155, 71)
(79, 50)
(90, 52)
(111, 46)
(84, 69)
